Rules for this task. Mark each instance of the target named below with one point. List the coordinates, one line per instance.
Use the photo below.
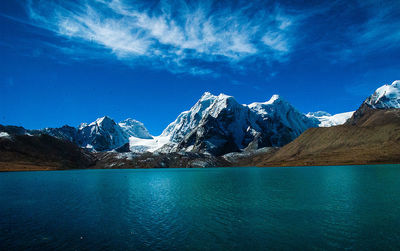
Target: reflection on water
(354, 207)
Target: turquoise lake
(319, 208)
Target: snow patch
(137, 145)
(4, 135)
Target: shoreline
(49, 168)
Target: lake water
(352, 207)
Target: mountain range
(214, 125)
(217, 126)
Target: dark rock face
(123, 149)
(42, 152)
(359, 114)
(16, 130)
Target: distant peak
(129, 120)
(318, 114)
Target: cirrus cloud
(179, 36)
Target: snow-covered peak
(278, 109)
(135, 128)
(223, 96)
(207, 105)
(82, 125)
(274, 99)
(386, 96)
(102, 121)
(187, 120)
(206, 96)
(102, 134)
(327, 120)
(265, 108)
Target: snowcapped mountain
(102, 134)
(385, 97)
(219, 124)
(135, 128)
(277, 109)
(225, 126)
(188, 120)
(327, 120)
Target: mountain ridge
(370, 136)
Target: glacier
(327, 120)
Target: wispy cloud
(382, 28)
(358, 29)
(179, 35)
(205, 37)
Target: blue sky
(67, 62)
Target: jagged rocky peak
(102, 134)
(188, 120)
(225, 126)
(105, 122)
(134, 128)
(385, 97)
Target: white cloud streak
(178, 36)
(382, 29)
